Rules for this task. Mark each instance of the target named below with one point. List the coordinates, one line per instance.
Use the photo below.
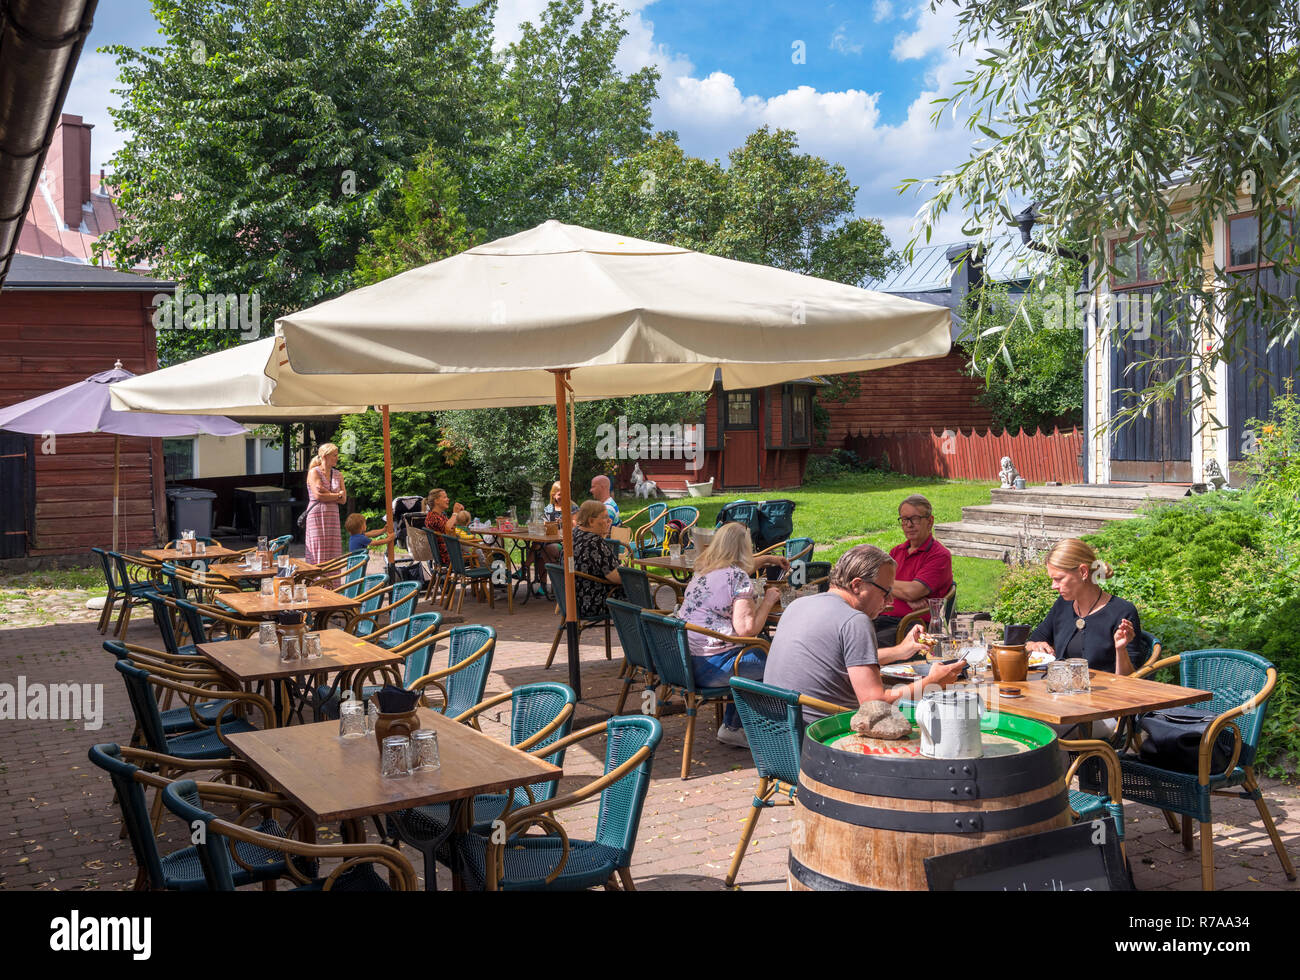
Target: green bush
(1025, 596)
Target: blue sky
(854, 80)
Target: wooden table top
(1112, 696)
(664, 561)
(172, 554)
(519, 535)
(244, 660)
(254, 604)
(234, 571)
(335, 778)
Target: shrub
(1025, 595)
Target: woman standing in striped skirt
(326, 491)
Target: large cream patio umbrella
(561, 309)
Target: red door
(740, 440)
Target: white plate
(1040, 659)
(901, 671)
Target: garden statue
(1214, 475)
(1008, 474)
(644, 488)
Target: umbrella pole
(388, 488)
(566, 525)
(117, 457)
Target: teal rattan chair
(396, 602)
(1242, 683)
(641, 587)
(1092, 799)
(357, 871)
(792, 549)
(175, 721)
(464, 679)
(637, 663)
(417, 650)
(180, 870)
(671, 655)
(773, 721)
(540, 715)
(648, 540)
(556, 575)
(280, 545)
(513, 862)
(114, 586)
(131, 590)
(353, 575)
(465, 576)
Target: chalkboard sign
(1082, 857)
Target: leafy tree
(1029, 351)
(424, 224)
(263, 136)
(1097, 109)
(563, 113)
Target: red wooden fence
(975, 455)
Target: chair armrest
(1156, 665)
(148, 761)
(163, 657)
(437, 675)
(376, 634)
(233, 699)
(1228, 720)
(746, 643)
(476, 710)
(831, 709)
(1091, 748)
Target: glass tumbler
(300, 592)
(262, 543)
(1080, 681)
(1059, 677)
(286, 593)
(268, 587)
(311, 647)
(395, 756)
(674, 551)
(425, 749)
(266, 638)
(352, 719)
(290, 648)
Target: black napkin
(396, 700)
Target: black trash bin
(190, 509)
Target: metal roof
(30, 272)
(1006, 260)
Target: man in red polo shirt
(924, 568)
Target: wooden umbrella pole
(566, 525)
(388, 488)
(117, 462)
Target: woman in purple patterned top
(722, 598)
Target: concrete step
(1108, 497)
(1062, 522)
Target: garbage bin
(190, 509)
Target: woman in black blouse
(595, 556)
(1087, 621)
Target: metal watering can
(950, 725)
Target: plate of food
(905, 672)
(1039, 660)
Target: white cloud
(881, 11)
(840, 41)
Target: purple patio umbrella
(84, 407)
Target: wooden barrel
(869, 821)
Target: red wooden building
(61, 322)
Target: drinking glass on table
(268, 587)
(300, 592)
(266, 638)
(290, 648)
(285, 594)
(352, 719)
(395, 757)
(311, 647)
(262, 542)
(424, 747)
(674, 552)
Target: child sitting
(359, 537)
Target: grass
(87, 578)
(862, 508)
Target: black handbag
(1172, 740)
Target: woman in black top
(1087, 621)
(595, 556)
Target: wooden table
(527, 543)
(1112, 696)
(518, 535)
(334, 778)
(678, 564)
(254, 605)
(246, 662)
(234, 572)
(174, 555)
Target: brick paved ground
(59, 827)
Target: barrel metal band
(950, 822)
(819, 882)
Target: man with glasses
(924, 567)
(825, 646)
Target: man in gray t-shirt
(825, 645)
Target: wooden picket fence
(976, 455)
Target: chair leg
(690, 734)
(750, 823)
(555, 645)
(609, 655)
(1207, 856)
(1253, 787)
(106, 615)
(622, 697)
(625, 876)
(1171, 820)
(1187, 832)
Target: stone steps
(1038, 517)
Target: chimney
(68, 164)
(967, 271)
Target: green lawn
(863, 508)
